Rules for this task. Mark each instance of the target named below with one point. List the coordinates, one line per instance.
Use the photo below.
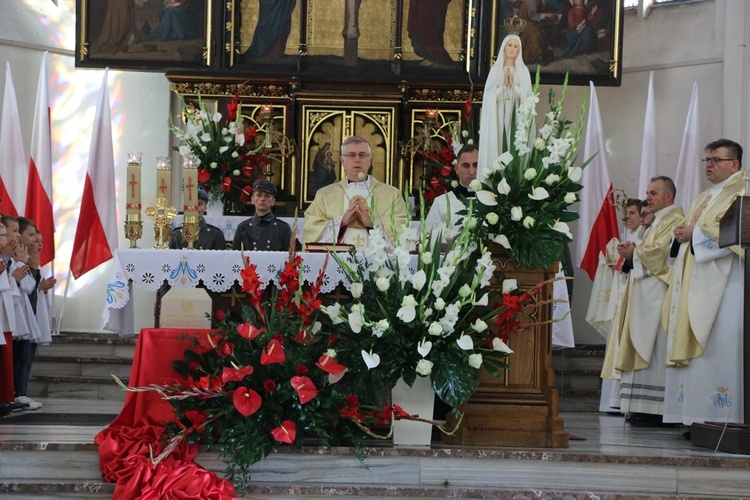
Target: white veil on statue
(498, 104)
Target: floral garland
(523, 202)
(228, 162)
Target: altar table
(217, 270)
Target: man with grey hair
(342, 212)
(643, 342)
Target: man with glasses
(343, 212)
(703, 309)
(643, 342)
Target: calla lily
(246, 401)
(509, 285)
(499, 345)
(249, 331)
(501, 239)
(503, 187)
(465, 342)
(505, 158)
(371, 360)
(305, 388)
(485, 300)
(539, 194)
(419, 279)
(562, 227)
(329, 365)
(272, 353)
(486, 198)
(424, 348)
(574, 173)
(235, 374)
(285, 433)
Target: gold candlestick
(190, 225)
(162, 213)
(133, 223)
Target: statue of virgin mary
(508, 84)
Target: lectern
(734, 229)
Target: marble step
(36, 469)
(81, 365)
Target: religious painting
(144, 34)
(421, 40)
(582, 38)
(324, 129)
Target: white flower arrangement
(523, 201)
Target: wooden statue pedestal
(520, 408)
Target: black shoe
(6, 408)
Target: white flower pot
(418, 399)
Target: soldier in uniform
(263, 231)
(209, 237)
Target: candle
(430, 113)
(133, 181)
(190, 186)
(266, 109)
(164, 177)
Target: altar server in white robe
(343, 212)
(703, 313)
(607, 296)
(443, 215)
(642, 350)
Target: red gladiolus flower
(285, 433)
(329, 365)
(248, 331)
(194, 366)
(203, 175)
(384, 417)
(400, 412)
(232, 107)
(269, 385)
(467, 106)
(197, 417)
(305, 388)
(352, 400)
(247, 401)
(250, 281)
(272, 353)
(251, 133)
(235, 374)
(301, 370)
(220, 315)
(226, 184)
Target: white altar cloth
(218, 270)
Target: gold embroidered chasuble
(323, 216)
(648, 286)
(697, 289)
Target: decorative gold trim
(438, 95)
(209, 32)
(230, 27)
(616, 43)
(188, 88)
(83, 48)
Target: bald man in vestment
(703, 310)
(642, 349)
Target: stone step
(81, 365)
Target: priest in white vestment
(343, 212)
(607, 297)
(642, 350)
(703, 310)
(443, 215)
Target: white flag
(689, 171)
(648, 150)
(12, 157)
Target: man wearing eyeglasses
(643, 342)
(703, 309)
(343, 212)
